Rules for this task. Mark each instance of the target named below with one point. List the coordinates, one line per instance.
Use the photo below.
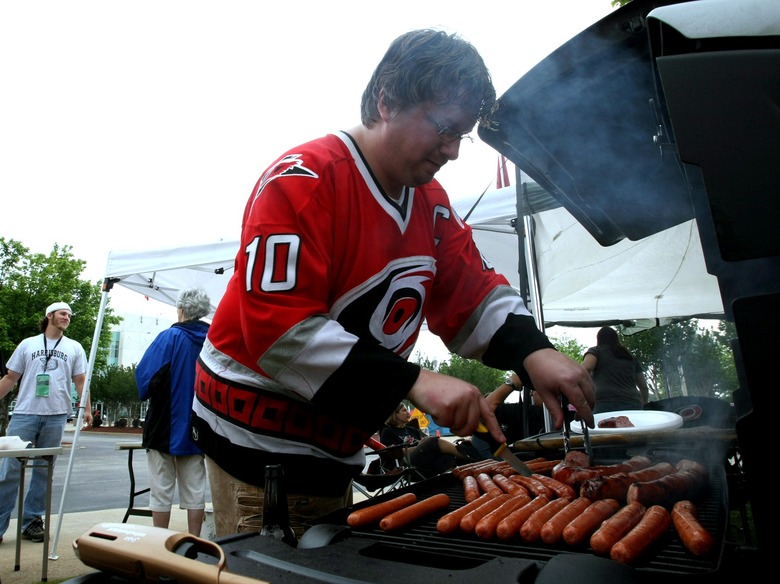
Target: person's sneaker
(34, 531)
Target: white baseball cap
(58, 306)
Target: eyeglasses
(448, 135)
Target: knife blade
(501, 450)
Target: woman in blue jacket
(166, 377)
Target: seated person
(431, 455)
(510, 415)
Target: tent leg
(79, 419)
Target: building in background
(131, 337)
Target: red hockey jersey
(307, 351)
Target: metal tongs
(568, 416)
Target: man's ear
(385, 112)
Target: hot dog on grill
(574, 476)
(487, 485)
(654, 523)
(510, 525)
(470, 488)
(693, 535)
(615, 486)
(534, 486)
(486, 527)
(552, 530)
(469, 521)
(414, 512)
(373, 513)
(450, 522)
(614, 528)
(559, 489)
(685, 483)
(582, 527)
(531, 529)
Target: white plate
(643, 420)
(12, 443)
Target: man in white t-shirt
(44, 367)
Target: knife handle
(496, 447)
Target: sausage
(616, 527)
(544, 466)
(693, 534)
(574, 476)
(373, 513)
(510, 525)
(552, 530)
(616, 486)
(532, 528)
(450, 522)
(472, 468)
(470, 488)
(469, 521)
(486, 527)
(685, 483)
(510, 487)
(654, 523)
(559, 489)
(581, 528)
(487, 484)
(534, 487)
(414, 512)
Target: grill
(424, 555)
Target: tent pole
(107, 285)
(529, 278)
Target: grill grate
(668, 555)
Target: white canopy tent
(656, 280)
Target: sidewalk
(67, 565)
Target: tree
(686, 358)
(29, 283)
(116, 387)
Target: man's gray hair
(194, 302)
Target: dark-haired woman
(618, 375)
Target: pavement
(67, 565)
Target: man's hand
(552, 374)
(454, 404)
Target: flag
(502, 175)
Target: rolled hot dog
(414, 512)
(486, 527)
(469, 521)
(450, 522)
(616, 527)
(532, 528)
(373, 513)
(510, 525)
(655, 522)
(582, 527)
(552, 530)
(694, 536)
(470, 488)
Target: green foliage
(686, 358)
(29, 282)
(485, 378)
(569, 347)
(683, 358)
(116, 387)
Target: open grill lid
(582, 124)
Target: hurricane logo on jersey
(395, 300)
(290, 165)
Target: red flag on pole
(502, 175)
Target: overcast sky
(144, 124)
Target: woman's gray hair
(194, 302)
